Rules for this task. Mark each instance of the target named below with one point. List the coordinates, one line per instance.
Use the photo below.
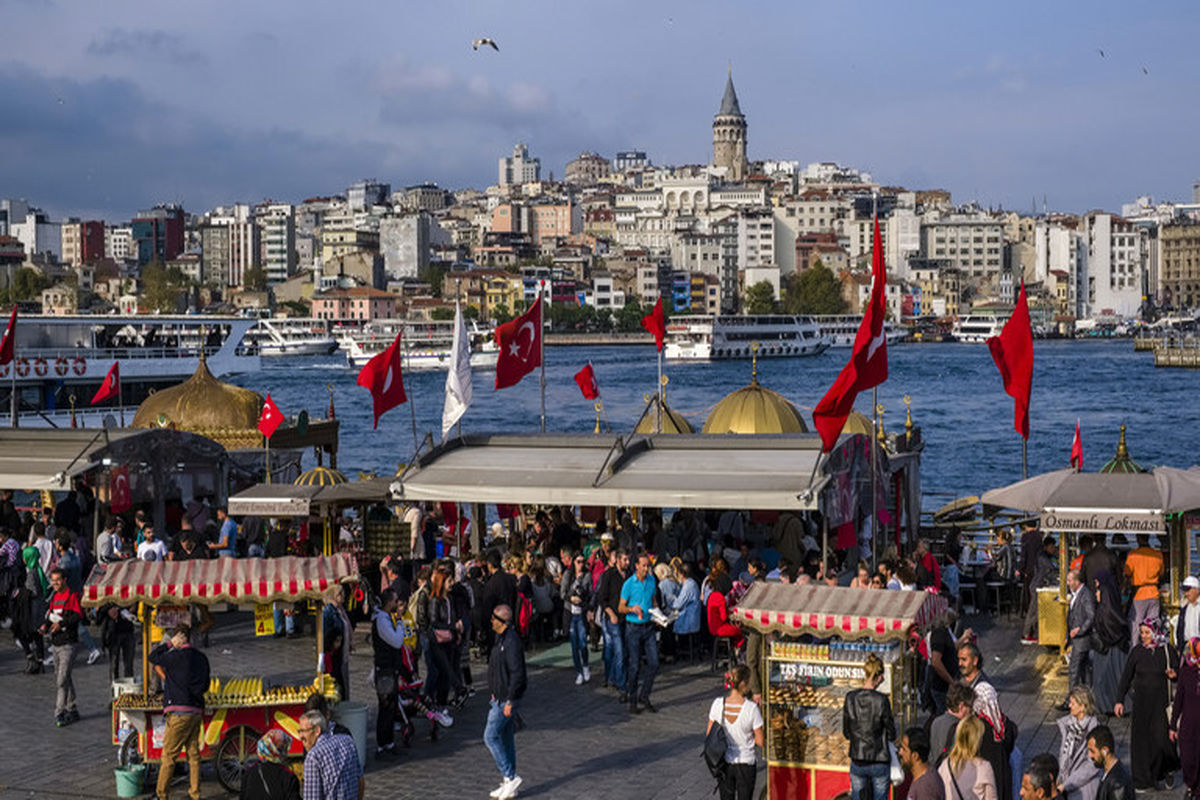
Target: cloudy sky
(109, 107)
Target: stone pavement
(578, 743)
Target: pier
(1184, 354)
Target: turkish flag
(586, 379)
(868, 365)
(111, 387)
(656, 323)
(1077, 450)
(383, 379)
(270, 418)
(520, 343)
(10, 334)
(120, 494)
(1012, 351)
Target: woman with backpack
(742, 723)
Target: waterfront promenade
(579, 742)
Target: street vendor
(184, 672)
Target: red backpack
(524, 614)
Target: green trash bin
(129, 780)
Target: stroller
(410, 699)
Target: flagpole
(412, 410)
(658, 422)
(1024, 458)
(12, 371)
(121, 397)
(875, 445)
(542, 347)
(267, 452)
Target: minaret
(729, 134)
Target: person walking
(638, 596)
(577, 595)
(1115, 783)
(868, 725)
(743, 723)
(964, 774)
(1110, 642)
(269, 778)
(28, 611)
(913, 753)
(1038, 783)
(1078, 777)
(387, 643)
(1188, 627)
(1037, 570)
(331, 768)
(506, 682)
(1185, 717)
(1144, 569)
(184, 673)
(1081, 613)
(608, 598)
(226, 543)
(116, 634)
(64, 616)
(1148, 673)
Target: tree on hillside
(760, 298)
(162, 288)
(816, 290)
(254, 279)
(629, 318)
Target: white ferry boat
(60, 357)
(427, 345)
(284, 336)
(978, 329)
(843, 328)
(703, 338)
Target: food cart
(238, 709)
(817, 640)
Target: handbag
(896, 772)
(443, 636)
(716, 745)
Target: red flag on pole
(1077, 450)
(6, 346)
(111, 387)
(868, 365)
(383, 379)
(120, 495)
(270, 418)
(1012, 351)
(656, 323)
(586, 379)
(520, 344)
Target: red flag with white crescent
(383, 379)
(270, 418)
(111, 387)
(120, 494)
(586, 380)
(1077, 450)
(8, 346)
(520, 344)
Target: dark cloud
(139, 44)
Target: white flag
(458, 380)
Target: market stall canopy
(660, 471)
(221, 580)
(293, 500)
(825, 611)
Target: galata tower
(729, 134)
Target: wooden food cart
(817, 640)
(238, 709)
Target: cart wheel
(236, 752)
(127, 754)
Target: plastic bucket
(129, 780)
(354, 717)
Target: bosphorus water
(957, 400)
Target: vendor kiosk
(238, 709)
(817, 640)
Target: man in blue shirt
(637, 598)
(226, 543)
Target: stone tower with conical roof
(729, 134)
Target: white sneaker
(94, 656)
(499, 790)
(441, 718)
(587, 674)
(579, 679)
(509, 789)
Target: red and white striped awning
(825, 611)
(219, 580)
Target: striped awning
(220, 580)
(825, 611)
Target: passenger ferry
(703, 338)
(60, 357)
(284, 336)
(843, 328)
(427, 345)
(978, 329)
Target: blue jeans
(256, 551)
(639, 640)
(284, 621)
(579, 642)
(878, 775)
(498, 736)
(614, 654)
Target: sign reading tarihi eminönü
(1100, 521)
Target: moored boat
(703, 337)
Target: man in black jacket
(608, 600)
(184, 673)
(506, 681)
(500, 589)
(1031, 546)
(1116, 784)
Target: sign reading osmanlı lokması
(1097, 521)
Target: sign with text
(830, 670)
(264, 620)
(1088, 521)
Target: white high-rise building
(118, 242)
(277, 240)
(1115, 265)
(520, 167)
(243, 244)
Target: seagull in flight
(1145, 71)
(478, 43)
(1101, 52)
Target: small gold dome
(754, 409)
(858, 423)
(320, 476)
(672, 420)
(201, 403)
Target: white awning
(32, 459)
(664, 471)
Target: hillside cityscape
(608, 236)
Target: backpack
(524, 614)
(716, 745)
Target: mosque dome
(201, 403)
(320, 476)
(754, 409)
(672, 420)
(858, 423)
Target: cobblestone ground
(578, 743)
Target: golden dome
(320, 476)
(672, 420)
(201, 403)
(858, 423)
(754, 409)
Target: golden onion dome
(672, 420)
(201, 403)
(858, 423)
(1122, 462)
(754, 409)
(320, 476)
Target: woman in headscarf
(1149, 672)
(1110, 642)
(1185, 718)
(270, 778)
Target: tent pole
(1024, 458)
(145, 651)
